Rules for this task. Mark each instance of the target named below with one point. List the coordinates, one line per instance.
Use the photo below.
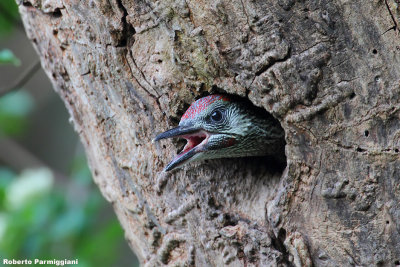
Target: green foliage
(14, 110)
(8, 16)
(39, 220)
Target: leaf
(8, 57)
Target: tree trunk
(329, 71)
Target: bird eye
(216, 115)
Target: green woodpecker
(216, 126)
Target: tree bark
(327, 70)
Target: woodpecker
(218, 126)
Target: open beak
(196, 139)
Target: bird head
(217, 126)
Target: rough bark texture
(329, 71)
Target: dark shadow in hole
(270, 163)
(278, 244)
(56, 13)
(359, 149)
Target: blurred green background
(49, 206)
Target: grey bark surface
(329, 71)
